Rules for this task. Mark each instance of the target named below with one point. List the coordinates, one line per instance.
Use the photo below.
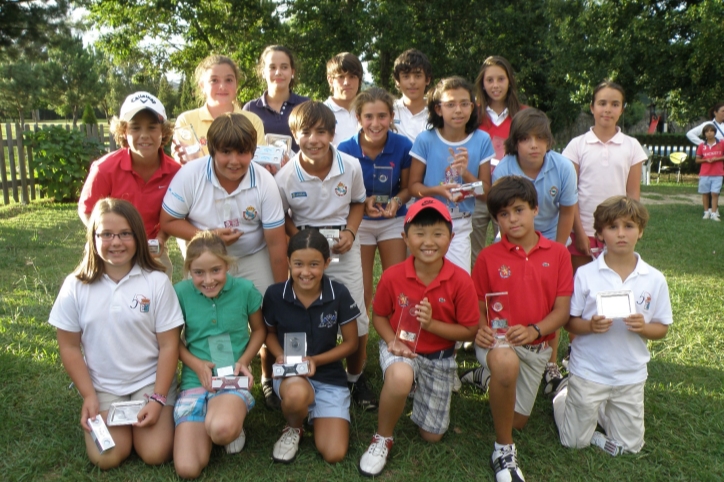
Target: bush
(61, 159)
(89, 116)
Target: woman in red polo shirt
(139, 171)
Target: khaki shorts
(105, 399)
(532, 366)
(348, 271)
(372, 232)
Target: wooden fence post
(11, 159)
(3, 171)
(21, 164)
(31, 166)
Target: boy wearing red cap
(436, 293)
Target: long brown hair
(511, 98)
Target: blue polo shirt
(334, 307)
(395, 154)
(276, 122)
(556, 186)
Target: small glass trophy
(332, 236)
(124, 413)
(498, 310)
(382, 184)
(454, 175)
(281, 141)
(190, 145)
(221, 355)
(408, 329)
(615, 304)
(295, 349)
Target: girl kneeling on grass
(225, 312)
(119, 310)
(311, 303)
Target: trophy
(615, 304)
(269, 155)
(281, 141)
(190, 145)
(295, 349)
(467, 190)
(382, 184)
(100, 434)
(124, 413)
(332, 236)
(498, 310)
(221, 355)
(408, 328)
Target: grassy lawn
(41, 438)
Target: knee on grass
(431, 437)
(332, 455)
(111, 459)
(186, 469)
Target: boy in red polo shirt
(436, 293)
(537, 276)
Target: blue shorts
(710, 184)
(191, 404)
(330, 401)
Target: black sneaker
(271, 398)
(362, 394)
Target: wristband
(535, 327)
(354, 236)
(398, 200)
(158, 398)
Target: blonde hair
(206, 242)
(119, 129)
(205, 65)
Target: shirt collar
(389, 147)
(224, 289)
(247, 182)
(135, 271)
(592, 138)
(446, 272)
(326, 296)
(205, 115)
(640, 269)
(336, 170)
(335, 106)
(543, 243)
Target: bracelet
(354, 236)
(535, 327)
(398, 200)
(158, 398)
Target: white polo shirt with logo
(407, 123)
(347, 124)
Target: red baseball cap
(427, 203)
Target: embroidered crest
(340, 190)
(141, 302)
(553, 191)
(249, 213)
(403, 300)
(328, 321)
(546, 265)
(645, 300)
(441, 300)
(504, 271)
(202, 141)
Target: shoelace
(508, 460)
(289, 434)
(379, 446)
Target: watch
(535, 327)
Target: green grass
(41, 438)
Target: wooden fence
(16, 160)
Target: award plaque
(382, 184)
(408, 328)
(124, 413)
(281, 141)
(100, 434)
(190, 145)
(498, 310)
(230, 383)
(221, 355)
(295, 349)
(332, 236)
(269, 156)
(615, 304)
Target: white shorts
(348, 271)
(531, 368)
(105, 399)
(256, 268)
(620, 411)
(459, 250)
(370, 232)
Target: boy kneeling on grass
(438, 292)
(607, 368)
(537, 276)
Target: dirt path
(653, 198)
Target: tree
(89, 117)
(21, 87)
(28, 26)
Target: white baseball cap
(139, 101)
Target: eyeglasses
(463, 105)
(107, 237)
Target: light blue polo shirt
(556, 186)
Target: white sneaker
(504, 463)
(457, 384)
(237, 445)
(715, 217)
(374, 460)
(286, 448)
(707, 215)
(480, 377)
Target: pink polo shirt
(603, 169)
(113, 176)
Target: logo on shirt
(340, 190)
(202, 141)
(328, 321)
(553, 191)
(249, 213)
(299, 194)
(504, 271)
(140, 302)
(546, 265)
(403, 300)
(645, 300)
(441, 300)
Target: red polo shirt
(533, 281)
(113, 176)
(450, 294)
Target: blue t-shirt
(395, 154)
(556, 186)
(432, 150)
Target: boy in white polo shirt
(324, 190)
(412, 73)
(608, 361)
(344, 74)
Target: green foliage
(21, 86)
(26, 28)
(634, 113)
(89, 116)
(61, 160)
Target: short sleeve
(571, 151)
(253, 299)
(480, 277)
(486, 147)
(281, 180)
(662, 304)
(467, 309)
(268, 310)
(580, 292)
(569, 183)
(167, 312)
(272, 208)
(96, 187)
(359, 192)
(65, 313)
(348, 309)
(421, 147)
(699, 153)
(565, 273)
(180, 195)
(382, 304)
(503, 168)
(406, 158)
(638, 154)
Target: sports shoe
(552, 371)
(555, 386)
(715, 217)
(362, 394)
(707, 215)
(469, 346)
(271, 398)
(374, 460)
(480, 377)
(504, 463)
(237, 445)
(457, 384)
(286, 448)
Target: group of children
(331, 201)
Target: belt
(341, 227)
(461, 216)
(537, 347)
(438, 355)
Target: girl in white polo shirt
(119, 310)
